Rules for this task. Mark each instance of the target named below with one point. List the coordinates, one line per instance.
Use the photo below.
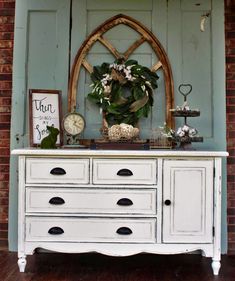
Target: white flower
(143, 87)
(185, 128)
(107, 89)
(180, 132)
(192, 132)
(121, 67)
(130, 66)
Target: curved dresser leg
(22, 263)
(215, 266)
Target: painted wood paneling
(189, 217)
(96, 12)
(41, 60)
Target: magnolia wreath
(123, 91)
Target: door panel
(188, 216)
(41, 60)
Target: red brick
(6, 44)
(230, 109)
(3, 245)
(6, 68)
(3, 226)
(5, 19)
(4, 185)
(6, 35)
(5, 93)
(5, 101)
(7, 27)
(4, 143)
(5, 118)
(230, 84)
(3, 235)
(231, 117)
(5, 109)
(4, 160)
(7, 5)
(4, 151)
(231, 101)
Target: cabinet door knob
(56, 201)
(124, 231)
(167, 202)
(58, 171)
(125, 173)
(124, 202)
(55, 230)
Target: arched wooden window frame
(145, 36)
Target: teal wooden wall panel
(41, 60)
(149, 14)
(198, 58)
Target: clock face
(73, 123)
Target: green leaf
(131, 62)
(93, 97)
(137, 93)
(113, 108)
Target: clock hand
(75, 124)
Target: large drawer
(124, 171)
(55, 170)
(91, 201)
(90, 230)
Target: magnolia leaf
(138, 93)
(131, 62)
(112, 108)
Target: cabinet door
(188, 201)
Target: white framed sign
(44, 110)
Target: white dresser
(119, 202)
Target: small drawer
(60, 171)
(124, 171)
(96, 201)
(90, 230)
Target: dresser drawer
(90, 230)
(124, 171)
(53, 170)
(91, 201)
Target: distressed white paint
(95, 228)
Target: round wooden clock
(73, 123)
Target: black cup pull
(124, 231)
(55, 230)
(125, 173)
(124, 202)
(58, 171)
(167, 202)
(56, 201)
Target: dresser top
(118, 153)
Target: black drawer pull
(167, 202)
(125, 173)
(58, 171)
(124, 231)
(56, 201)
(55, 230)
(124, 202)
